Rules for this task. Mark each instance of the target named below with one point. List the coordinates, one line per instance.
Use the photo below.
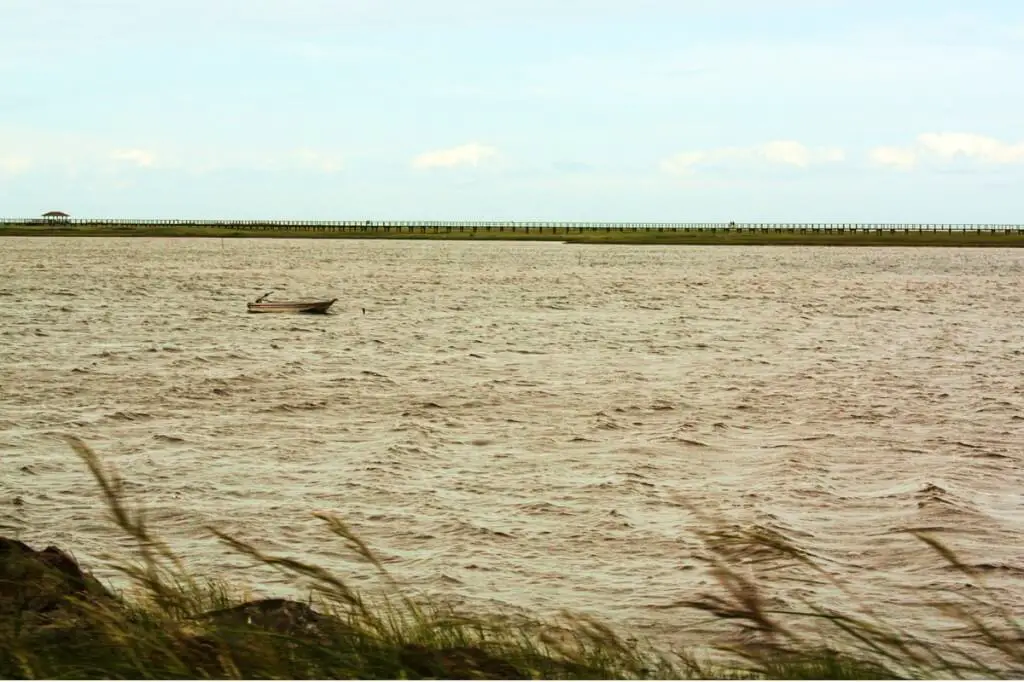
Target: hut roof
(56, 214)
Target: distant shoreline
(648, 236)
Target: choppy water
(522, 424)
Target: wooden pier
(412, 227)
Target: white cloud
(140, 157)
(989, 149)
(796, 154)
(328, 163)
(13, 165)
(683, 164)
(938, 147)
(896, 157)
(21, 149)
(465, 155)
(776, 152)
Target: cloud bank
(24, 151)
(777, 153)
(139, 157)
(932, 148)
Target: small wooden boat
(261, 305)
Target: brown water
(521, 424)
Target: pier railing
(552, 227)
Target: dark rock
(41, 581)
(276, 615)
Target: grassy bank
(668, 237)
(56, 622)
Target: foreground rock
(42, 581)
(58, 621)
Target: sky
(609, 110)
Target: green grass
(691, 237)
(169, 625)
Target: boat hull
(315, 307)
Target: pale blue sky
(662, 110)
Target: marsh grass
(168, 624)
